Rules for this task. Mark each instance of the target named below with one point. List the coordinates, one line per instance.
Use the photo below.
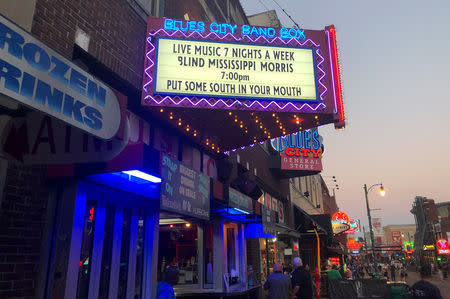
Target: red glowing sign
(335, 261)
(353, 244)
(340, 217)
(442, 246)
(396, 237)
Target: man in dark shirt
(301, 280)
(278, 284)
(424, 288)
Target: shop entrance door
(112, 247)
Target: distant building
(443, 210)
(267, 19)
(397, 235)
(427, 228)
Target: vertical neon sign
(336, 74)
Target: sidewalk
(444, 286)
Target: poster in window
(274, 204)
(268, 200)
(184, 190)
(281, 212)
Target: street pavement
(443, 285)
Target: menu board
(184, 190)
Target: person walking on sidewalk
(278, 284)
(301, 281)
(392, 267)
(424, 289)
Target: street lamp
(382, 193)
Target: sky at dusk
(395, 66)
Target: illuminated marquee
(200, 68)
(291, 52)
(270, 81)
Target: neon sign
(190, 30)
(226, 69)
(340, 217)
(408, 246)
(443, 246)
(300, 151)
(355, 226)
(353, 244)
(224, 28)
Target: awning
(285, 230)
(304, 223)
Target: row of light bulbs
(242, 126)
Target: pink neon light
(231, 103)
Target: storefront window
(86, 250)
(208, 254)
(230, 230)
(178, 246)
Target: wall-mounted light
(143, 175)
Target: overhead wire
(265, 6)
(288, 15)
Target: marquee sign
(340, 222)
(270, 81)
(443, 246)
(339, 227)
(200, 68)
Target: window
(84, 269)
(231, 256)
(142, 7)
(124, 253)
(105, 270)
(139, 257)
(233, 259)
(209, 255)
(178, 246)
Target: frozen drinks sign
(184, 190)
(37, 76)
(219, 69)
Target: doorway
(112, 245)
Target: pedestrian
(385, 274)
(440, 273)
(392, 272)
(334, 274)
(164, 288)
(301, 281)
(424, 288)
(348, 273)
(278, 284)
(403, 273)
